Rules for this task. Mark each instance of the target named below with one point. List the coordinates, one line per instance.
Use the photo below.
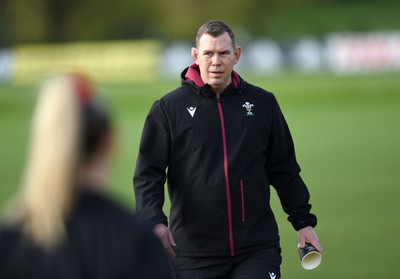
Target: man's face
(216, 58)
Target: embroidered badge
(248, 108)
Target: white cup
(310, 257)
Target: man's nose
(216, 60)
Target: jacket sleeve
(284, 173)
(150, 172)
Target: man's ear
(195, 54)
(238, 53)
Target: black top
(219, 154)
(103, 241)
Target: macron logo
(272, 275)
(191, 110)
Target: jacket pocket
(254, 199)
(242, 201)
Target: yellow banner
(103, 61)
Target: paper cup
(310, 257)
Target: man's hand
(165, 235)
(308, 235)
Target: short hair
(215, 28)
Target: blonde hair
(49, 182)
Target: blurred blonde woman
(61, 224)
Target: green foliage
(347, 138)
(71, 20)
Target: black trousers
(260, 264)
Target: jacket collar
(191, 76)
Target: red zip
(242, 195)
(226, 169)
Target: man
(222, 141)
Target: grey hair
(215, 28)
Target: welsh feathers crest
(248, 108)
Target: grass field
(347, 137)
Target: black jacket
(102, 241)
(219, 156)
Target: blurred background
(334, 66)
(125, 40)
